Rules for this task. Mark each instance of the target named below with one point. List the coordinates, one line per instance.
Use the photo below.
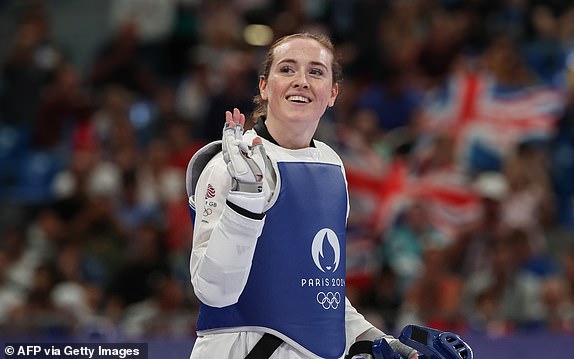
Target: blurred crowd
(455, 123)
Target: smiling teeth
(298, 99)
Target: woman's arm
(231, 217)
(358, 328)
(223, 240)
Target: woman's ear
(334, 94)
(263, 88)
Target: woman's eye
(317, 72)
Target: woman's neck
(291, 135)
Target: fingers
(233, 129)
(257, 147)
(259, 157)
(239, 117)
(233, 146)
(232, 119)
(245, 163)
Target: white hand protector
(246, 165)
(394, 344)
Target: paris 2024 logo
(326, 255)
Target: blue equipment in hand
(429, 343)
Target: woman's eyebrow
(317, 63)
(290, 61)
(313, 63)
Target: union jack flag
(478, 117)
(482, 118)
(451, 201)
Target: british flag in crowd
(473, 112)
(484, 119)
(452, 203)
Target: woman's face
(300, 85)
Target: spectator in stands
(514, 294)
(117, 62)
(383, 299)
(434, 298)
(63, 105)
(164, 314)
(471, 251)
(38, 315)
(237, 92)
(404, 245)
(562, 158)
(558, 304)
(568, 272)
(529, 202)
(153, 22)
(143, 265)
(10, 295)
(32, 58)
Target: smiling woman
(268, 258)
(299, 69)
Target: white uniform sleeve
(223, 240)
(358, 328)
(355, 323)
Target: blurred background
(455, 123)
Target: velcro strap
(360, 347)
(264, 347)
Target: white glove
(395, 344)
(403, 349)
(245, 163)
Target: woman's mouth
(298, 99)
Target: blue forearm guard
(430, 343)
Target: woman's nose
(301, 80)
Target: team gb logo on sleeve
(210, 193)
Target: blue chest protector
(296, 285)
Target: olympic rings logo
(329, 300)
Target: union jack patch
(210, 193)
